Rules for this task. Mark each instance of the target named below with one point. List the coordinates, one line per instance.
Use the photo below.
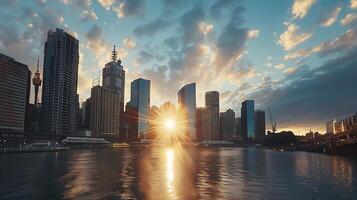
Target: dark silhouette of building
(203, 124)
(238, 124)
(247, 119)
(187, 105)
(60, 77)
(227, 125)
(212, 103)
(259, 117)
(15, 82)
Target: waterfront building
(138, 109)
(105, 112)
(203, 124)
(14, 94)
(247, 119)
(331, 126)
(227, 125)
(187, 105)
(60, 77)
(238, 124)
(339, 126)
(114, 77)
(259, 119)
(212, 103)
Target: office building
(331, 126)
(259, 122)
(14, 94)
(238, 124)
(114, 77)
(203, 124)
(138, 109)
(212, 103)
(105, 112)
(187, 105)
(247, 119)
(60, 77)
(227, 125)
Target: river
(177, 173)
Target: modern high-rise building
(203, 124)
(187, 105)
(247, 119)
(259, 119)
(238, 124)
(138, 108)
(114, 77)
(60, 77)
(212, 103)
(227, 125)
(105, 112)
(331, 126)
(15, 80)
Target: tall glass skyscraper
(187, 104)
(60, 77)
(140, 103)
(212, 103)
(247, 119)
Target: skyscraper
(114, 77)
(247, 118)
(259, 118)
(227, 125)
(14, 91)
(138, 108)
(60, 76)
(203, 124)
(212, 103)
(187, 105)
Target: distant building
(259, 118)
(331, 126)
(212, 103)
(154, 114)
(203, 124)
(105, 112)
(138, 109)
(114, 77)
(247, 118)
(227, 125)
(15, 80)
(168, 107)
(60, 77)
(187, 105)
(339, 126)
(238, 124)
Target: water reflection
(177, 173)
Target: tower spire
(114, 54)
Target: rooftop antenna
(114, 54)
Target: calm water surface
(172, 173)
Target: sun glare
(170, 124)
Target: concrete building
(105, 112)
(203, 124)
(114, 77)
(138, 109)
(212, 103)
(259, 118)
(60, 77)
(15, 80)
(247, 118)
(339, 126)
(238, 124)
(227, 125)
(187, 105)
(331, 126)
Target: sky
(298, 57)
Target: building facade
(203, 124)
(212, 103)
(259, 118)
(227, 125)
(247, 119)
(60, 77)
(331, 126)
(238, 124)
(187, 105)
(15, 80)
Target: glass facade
(248, 122)
(187, 103)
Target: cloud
(96, 43)
(291, 37)
(205, 28)
(253, 33)
(289, 70)
(152, 27)
(218, 7)
(280, 66)
(129, 8)
(330, 17)
(340, 44)
(129, 43)
(349, 19)
(87, 15)
(301, 7)
(106, 3)
(353, 4)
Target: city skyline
(294, 74)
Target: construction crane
(273, 125)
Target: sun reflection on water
(170, 172)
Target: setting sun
(170, 124)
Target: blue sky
(295, 56)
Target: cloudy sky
(299, 57)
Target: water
(173, 173)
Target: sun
(170, 124)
